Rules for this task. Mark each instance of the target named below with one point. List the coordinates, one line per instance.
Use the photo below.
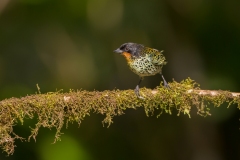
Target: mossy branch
(54, 109)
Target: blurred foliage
(68, 44)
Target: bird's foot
(165, 83)
(136, 90)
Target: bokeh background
(69, 44)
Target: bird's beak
(118, 51)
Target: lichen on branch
(56, 109)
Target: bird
(143, 61)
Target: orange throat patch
(127, 56)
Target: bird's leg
(164, 82)
(137, 88)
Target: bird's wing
(158, 58)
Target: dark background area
(69, 44)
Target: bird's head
(129, 50)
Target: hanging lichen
(56, 109)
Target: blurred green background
(69, 44)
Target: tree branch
(56, 109)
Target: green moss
(56, 109)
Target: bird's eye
(127, 49)
(122, 47)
